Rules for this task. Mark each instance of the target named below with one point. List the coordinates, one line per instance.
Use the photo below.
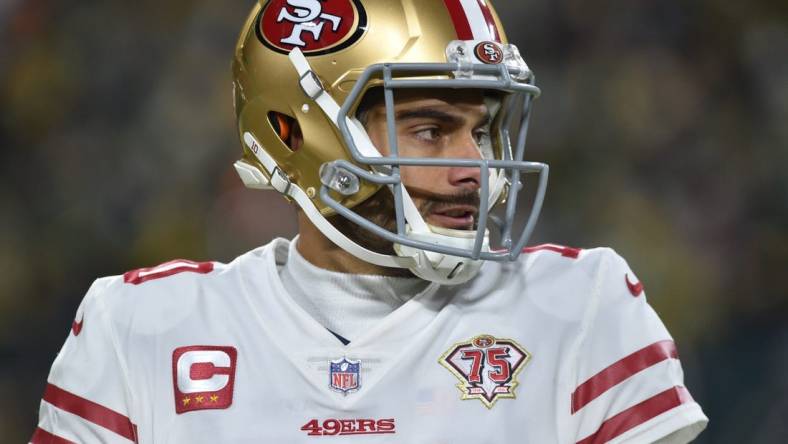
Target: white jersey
(558, 347)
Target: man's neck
(316, 248)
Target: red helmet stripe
(473, 20)
(461, 23)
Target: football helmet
(312, 61)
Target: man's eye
(482, 137)
(428, 134)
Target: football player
(409, 308)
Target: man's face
(443, 124)
(429, 123)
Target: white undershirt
(346, 304)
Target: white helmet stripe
(480, 27)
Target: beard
(380, 210)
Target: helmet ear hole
(283, 126)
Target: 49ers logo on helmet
(489, 53)
(316, 27)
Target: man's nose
(468, 178)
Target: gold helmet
(310, 62)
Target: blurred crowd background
(665, 123)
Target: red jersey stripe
(569, 252)
(41, 436)
(638, 414)
(460, 20)
(90, 411)
(621, 370)
(177, 266)
(488, 17)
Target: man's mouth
(455, 217)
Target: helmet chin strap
(431, 266)
(253, 178)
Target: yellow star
(214, 398)
(186, 400)
(199, 399)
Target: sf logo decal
(489, 53)
(316, 27)
(487, 367)
(304, 14)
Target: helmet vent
(284, 126)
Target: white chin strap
(430, 266)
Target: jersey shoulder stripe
(638, 414)
(621, 370)
(41, 436)
(569, 252)
(142, 275)
(91, 412)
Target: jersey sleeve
(628, 383)
(86, 397)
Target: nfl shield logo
(344, 375)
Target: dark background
(665, 123)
